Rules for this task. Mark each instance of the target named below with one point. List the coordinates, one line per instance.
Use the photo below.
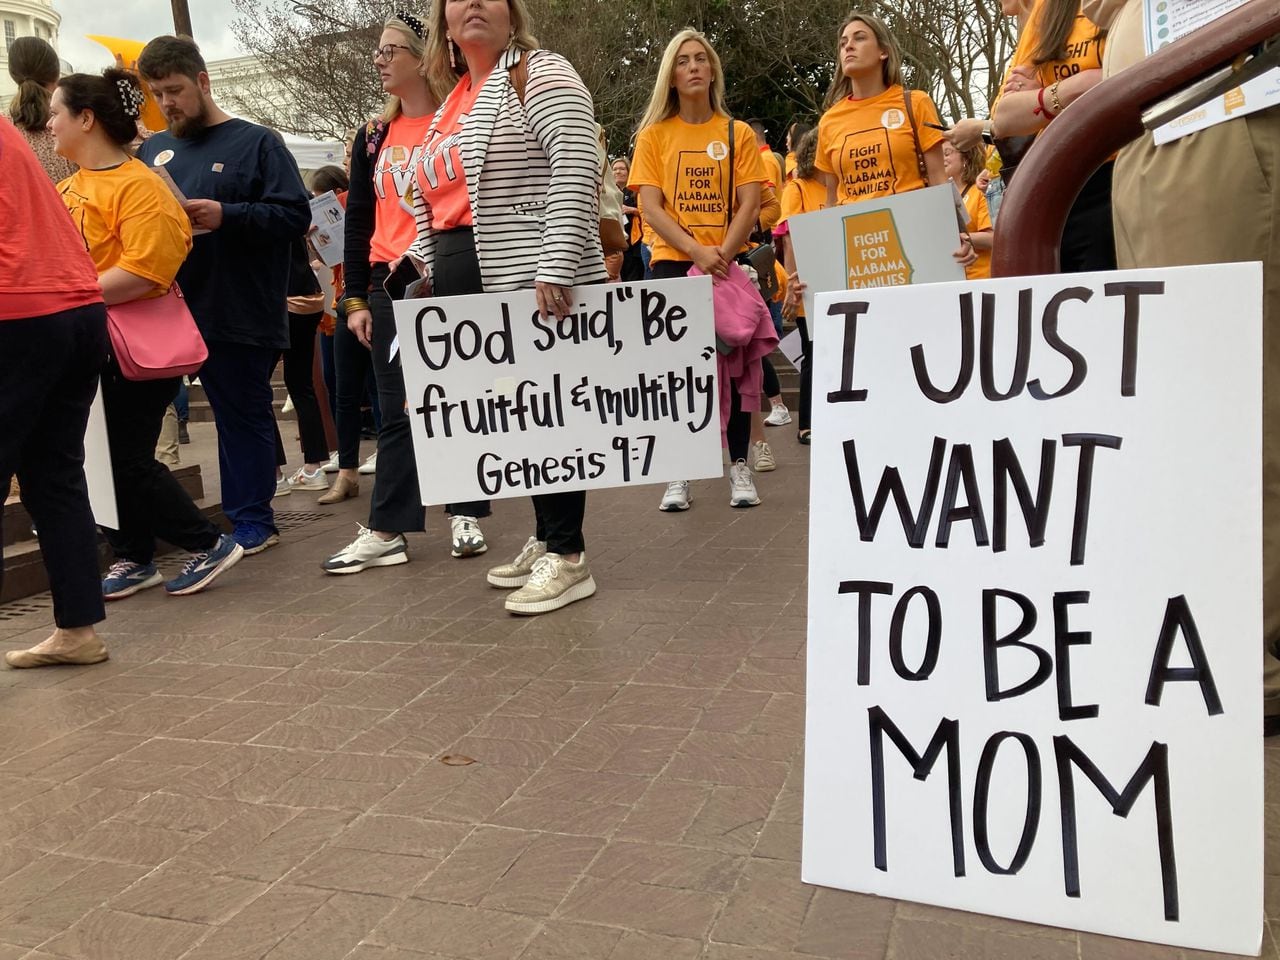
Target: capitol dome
(24, 18)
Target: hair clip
(131, 98)
(413, 23)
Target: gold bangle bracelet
(1053, 95)
(352, 304)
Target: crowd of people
(484, 172)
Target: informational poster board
(1165, 21)
(505, 403)
(97, 467)
(1035, 601)
(903, 239)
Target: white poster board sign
(893, 241)
(97, 467)
(328, 223)
(504, 403)
(792, 347)
(1035, 601)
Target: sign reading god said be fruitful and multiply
(505, 403)
(1035, 615)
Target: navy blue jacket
(236, 277)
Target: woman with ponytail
(33, 65)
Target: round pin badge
(163, 157)
(892, 119)
(717, 150)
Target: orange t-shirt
(1083, 48)
(869, 145)
(975, 202)
(441, 179)
(689, 163)
(802, 195)
(772, 171)
(393, 227)
(129, 219)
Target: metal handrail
(1065, 155)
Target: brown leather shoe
(92, 651)
(341, 489)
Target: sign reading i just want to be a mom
(1035, 601)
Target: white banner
(892, 241)
(1035, 601)
(97, 467)
(506, 404)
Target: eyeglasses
(388, 52)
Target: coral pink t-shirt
(441, 179)
(393, 228)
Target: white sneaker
(332, 465)
(516, 573)
(282, 488)
(779, 416)
(370, 465)
(304, 479)
(677, 497)
(468, 538)
(368, 550)
(764, 461)
(742, 486)
(554, 583)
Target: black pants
(1088, 239)
(738, 432)
(353, 370)
(299, 366)
(48, 378)
(806, 375)
(150, 502)
(771, 386)
(558, 516)
(396, 505)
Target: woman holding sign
(505, 198)
(701, 208)
(875, 138)
(378, 229)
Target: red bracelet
(1041, 109)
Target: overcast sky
(139, 20)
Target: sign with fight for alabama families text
(1035, 601)
(888, 242)
(505, 403)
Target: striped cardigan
(533, 179)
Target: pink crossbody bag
(156, 338)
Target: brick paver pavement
(279, 767)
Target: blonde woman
(505, 198)
(681, 175)
(964, 167)
(379, 228)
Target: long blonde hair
(665, 101)
(890, 67)
(391, 109)
(443, 77)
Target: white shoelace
(545, 570)
(120, 568)
(530, 547)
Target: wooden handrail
(1106, 118)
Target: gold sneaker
(554, 583)
(516, 573)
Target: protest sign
(328, 223)
(1035, 601)
(907, 238)
(792, 347)
(97, 467)
(504, 403)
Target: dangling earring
(453, 60)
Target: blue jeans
(995, 196)
(181, 405)
(237, 381)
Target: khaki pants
(167, 444)
(1214, 197)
